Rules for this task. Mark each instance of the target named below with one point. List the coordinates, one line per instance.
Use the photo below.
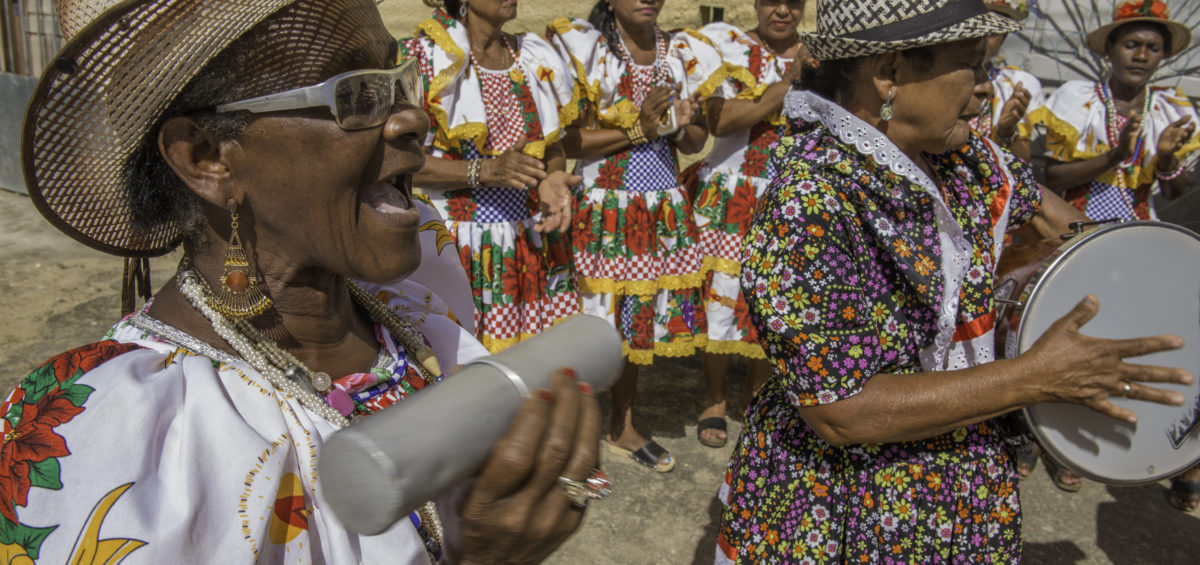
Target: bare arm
(586, 143)
(728, 116)
(512, 168)
(1053, 218)
(1064, 365)
(1171, 140)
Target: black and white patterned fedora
(856, 28)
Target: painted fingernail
(545, 395)
(585, 388)
(570, 373)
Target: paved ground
(55, 294)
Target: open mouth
(390, 196)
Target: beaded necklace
(1113, 133)
(662, 74)
(781, 63)
(286, 373)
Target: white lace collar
(808, 106)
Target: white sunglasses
(357, 99)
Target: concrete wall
(15, 91)
(402, 16)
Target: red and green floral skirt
(521, 280)
(724, 208)
(635, 250)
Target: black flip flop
(712, 423)
(648, 454)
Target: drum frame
(1012, 333)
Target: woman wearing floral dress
(762, 64)
(497, 104)
(633, 235)
(868, 273)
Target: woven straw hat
(124, 63)
(1141, 11)
(856, 28)
(1015, 9)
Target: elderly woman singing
(276, 142)
(868, 273)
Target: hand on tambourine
(1073, 367)
(518, 512)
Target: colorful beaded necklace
(1113, 133)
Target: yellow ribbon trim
(681, 347)
(643, 287)
(722, 265)
(750, 350)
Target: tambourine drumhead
(1147, 278)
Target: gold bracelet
(635, 134)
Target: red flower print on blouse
(46, 399)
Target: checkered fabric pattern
(651, 167)
(520, 320)
(639, 267)
(497, 203)
(837, 20)
(1107, 201)
(505, 123)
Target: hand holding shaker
(376, 472)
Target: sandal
(1059, 473)
(1026, 457)
(712, 423)
(649, 454)
(1184, 494)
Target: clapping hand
(1176, 134)
(1013, 111)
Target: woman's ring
(1125, 388)
(596, 487)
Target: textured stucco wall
(402, 16)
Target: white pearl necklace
(267, 358)
(246, 346)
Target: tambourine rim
(1031, 289)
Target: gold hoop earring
(239, 295)
(886, 112)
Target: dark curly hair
(156, 195)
